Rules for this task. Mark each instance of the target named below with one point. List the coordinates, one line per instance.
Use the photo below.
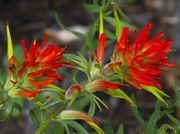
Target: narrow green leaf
(101, 27)
(58, 129)
(122, 13)
(120, 129)
(112, 22)
(92, 107)
(173, 119)
(156, 92)
(92, 30)
(38, 116)
(54, 96)
(80, 61)
(164, 128)
(79, 35)
(99, 100)
(138, 115)
(95, 127)
(118, 23)
(93, 8)
(110, 35)
(49, 102)
(151, 124)
(59, 22)
(120, 94)
(80, 129)
(81, 103)
(9, 43)
(67, 129)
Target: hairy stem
(51, 117)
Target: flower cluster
(38, 69)
(138, 60)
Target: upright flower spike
(38, 69)
(101, 42)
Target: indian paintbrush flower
(38, 69)
(139, 59)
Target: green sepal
(156, 92)
(118, 93)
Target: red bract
(141, 58)
(38, 67)
(26, 93)
(100, 50)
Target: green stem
(51, 117)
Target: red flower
(100, 50)
(140, 58)
(38, 67)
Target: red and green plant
(136, 61)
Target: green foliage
(6, 109)
(83, 105)
(152, 122)
(38, 116)
(78, 127)
(156, 92)
(120, 94)
(93, 8)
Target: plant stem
(51, 117)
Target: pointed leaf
(78, 127)
(173, 119)
(120, 129)
(138, 115)
(38, 116)
(151, 125)
(60, 24)
(92, 107)
(9, 43)
(118, 93)
(163, 129)
(156, 92)
(101, 27)
(96, 127)
(79, 35)
(118, 23)
(93, 8)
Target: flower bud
(72, 92)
